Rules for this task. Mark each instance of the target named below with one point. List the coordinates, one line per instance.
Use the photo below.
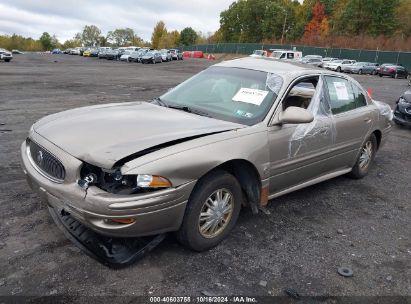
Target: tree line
(91, 36)
(366, 24)
(382, 24)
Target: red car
(393, 70)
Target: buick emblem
(40, 157)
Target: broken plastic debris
(292, 293)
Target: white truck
(286, 54)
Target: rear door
(352, 119)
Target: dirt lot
(364, 224)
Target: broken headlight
(113, 181)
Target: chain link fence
(403, 58)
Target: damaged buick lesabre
(233, 136)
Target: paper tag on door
(341, 90)
(252, 96)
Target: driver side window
(301, 93)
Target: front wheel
(339, 69)
(359, 72)
(365, 158)
(211, 211)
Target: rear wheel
(211, 212)
(360, 72)
(365, 158)
(339, 69)
(7, 60)
(395, 76)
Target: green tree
(45, 40)
(159, 30)
(188, 36)
(90, 35)
(368, 17)
(121, 37)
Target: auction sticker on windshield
(252, 96)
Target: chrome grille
(45, 162)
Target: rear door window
(341, 94)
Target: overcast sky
(67, 17)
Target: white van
(286, 54)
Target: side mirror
(295, 115)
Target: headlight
(113, 181)
(152, 181)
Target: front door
(298, 151)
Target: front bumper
(154, 213)
(401, 116)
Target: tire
(206, 189)
(338, 69)
(395, 76)
(380, 75)
(374, 73)
(360, 72)
(360, 168)
(7, 60)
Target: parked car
(75, 51)
(151, 57)
(393, 70)
(136, 56)
(337, 65)
(259, 53)
(166, 55)
(67, 51)
(17, 52)
(237, 134)
(102, 52)
(346, 66)
(5, 55)
(312, 61)
(362, 68)
(286, 54)
(176, 54)
(126, 55)
(312, 56)
(56, 51)
(113, 54)
(327, 60)
(91, 52)
(402, 112)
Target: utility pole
(285, 22)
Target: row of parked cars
(129, 54)
(354, 67)
(336, 64)
(5, 55)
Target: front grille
(45, 162)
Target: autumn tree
(159, 30)
(318, 26)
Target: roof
(268, 65)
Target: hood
(103, 135)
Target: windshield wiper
(189, 110)
(160, 102)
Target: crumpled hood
(103, 135)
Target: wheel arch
(248, 177)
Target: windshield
(232, 94)
(276, 54)
(149, 54)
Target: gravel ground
(363, 224)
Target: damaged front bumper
(153, 213)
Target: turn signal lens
(152, 181)
(124, 221)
